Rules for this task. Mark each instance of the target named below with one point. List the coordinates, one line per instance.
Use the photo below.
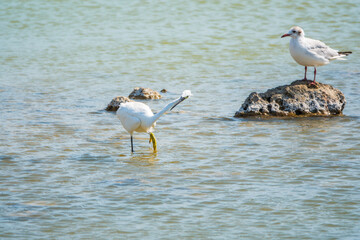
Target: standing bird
(137, 116)
(310, 52)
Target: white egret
(311, 52)
(138, 117)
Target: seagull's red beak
(285, 35)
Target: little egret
(311, 52)
(137, 116)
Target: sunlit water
(66, 170)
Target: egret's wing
(130, 123)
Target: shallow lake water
(66, 170)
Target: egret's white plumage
(138, 117)
(186, 93)
(310, 52)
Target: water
(66, 170)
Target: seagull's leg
(305, 73)
(132, 144)
(153, 140)
(314, 82)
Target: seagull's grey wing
(321, 49)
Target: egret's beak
(285, 35)
(179, 101)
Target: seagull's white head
(294, 32)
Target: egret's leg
(153, 140)
(132, 145)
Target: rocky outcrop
(115, 103)
(297, 99)
(144, 93)
(137, 93)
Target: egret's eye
(293, 31)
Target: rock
(115, 103)
(297, 99)
(163, 91)
(144, 93)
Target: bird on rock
(310, 52)
(138, 117)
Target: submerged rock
(144, 93)
(115, 103)
(297, 99)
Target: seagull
(137, 116)
(310, 52)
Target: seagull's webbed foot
(312, 84)
(153, 140)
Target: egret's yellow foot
(153, 140)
